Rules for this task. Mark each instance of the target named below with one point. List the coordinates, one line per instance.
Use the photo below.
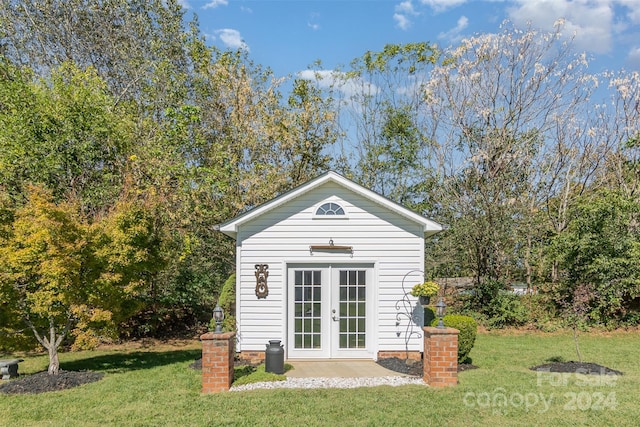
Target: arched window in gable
(330, 209)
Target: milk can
(274, 357)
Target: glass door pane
(352, 306)
(307, 309)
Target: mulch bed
(576, 368)
(42, 382)
(413, 367)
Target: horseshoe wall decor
(262, 290)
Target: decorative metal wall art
(412, 315)
(262, 290)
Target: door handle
(333, 316)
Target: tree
(575, 310)
(506, 111)
(238, 146)
(65, 277)
(136, 46)
(128, 246)
(621, 119)
(64, 133)
(393, 163)
(47, 270)
(597, 253)
(12, 333)
(309, 129)
(200, 134)
(381, 104)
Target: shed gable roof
(230, 228)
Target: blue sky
(288, 35)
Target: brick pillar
(217, 361)
(440, 356)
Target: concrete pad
(338, 368)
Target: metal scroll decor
(409, 312)
(262, 290)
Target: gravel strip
(331, 383)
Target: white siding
(283, 235)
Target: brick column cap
(431, 330)
(214, 336)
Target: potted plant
(424, 291)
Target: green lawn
(155, 387)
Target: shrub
(542, 311)
(429, 315)
(485, 293)
(466, 338)
(227, 302)
(493, 305)
(507, 310)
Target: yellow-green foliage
(128, 247)
(59, 271)
(426, 289)
(93, 326)
(44, 258)
(47, 268)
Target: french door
(329, 311)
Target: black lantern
(440, 309)
(218, 316)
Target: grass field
(155, 387)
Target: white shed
(326, 268)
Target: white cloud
(402, 21)
(349, 87)
(406, 7)
(232, 39)
(312, 23)
(454, 35)
(184, 4)
(442, 5)
(589, 21)
(402, 14)
(215, 3)
(246, 9)
(633, 58)
(633, 12)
